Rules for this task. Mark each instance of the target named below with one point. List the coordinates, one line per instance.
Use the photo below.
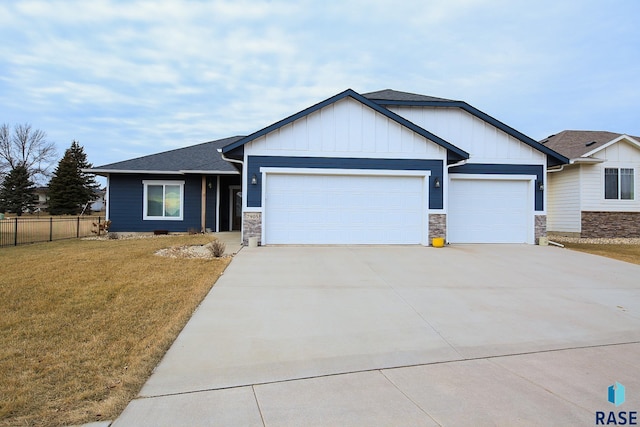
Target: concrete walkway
(464, 335)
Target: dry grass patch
(83, 323)
(622, 252)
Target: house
(595, 195)
(384, 167)
(190, 188)
(391, 167)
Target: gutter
(228, 159)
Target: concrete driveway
(467, 334)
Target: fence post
(51, 229)
(15, 238)
(78, 228)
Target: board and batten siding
(563, 200)
(347, 129)
(618, 155)
(484, 142)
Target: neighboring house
(390, 167)
(98, 202)
(181, 190)
(596, 194)
(42, 203)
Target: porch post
(203, 204)
(217, 203)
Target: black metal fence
(19, 230)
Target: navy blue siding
(126, 204)
(499, 169)
(225, 182)
(254, 163)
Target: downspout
(228, 159)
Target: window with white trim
(618, 183)
(163, 200)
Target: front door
(236, 208)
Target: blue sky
(128, 78)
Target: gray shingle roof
(200, 157)
(394, 95)
(575, 143)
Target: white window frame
(619, 196)
(146, 184)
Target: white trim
(363, 172)
(232, 203)
(145, 184)
(425, 174)
(490, 177)
(161, 172)
(618, 201)
(107, 196)
(629, 139)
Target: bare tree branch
(26, 147)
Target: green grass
(83, 323)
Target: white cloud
(160, 74)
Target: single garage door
(490, 211)
(343, 209)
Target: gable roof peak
(577, 143)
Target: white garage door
(490, 211)
(343, 209)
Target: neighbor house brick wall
(437, 226)
(251, 226)
(540, 227)
(610, 224)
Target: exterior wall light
(436, 182)
(540, 186)
(254, 179)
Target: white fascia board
(207, 172)
(362, 172)
(160, 172)
(629, 139)
(588, 160)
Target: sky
(131, 78)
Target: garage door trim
(424, 174)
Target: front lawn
(623, 252)
(83, 323)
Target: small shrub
(217, 248)
(192, 230)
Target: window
(618, 183)
(163, 200)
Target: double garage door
(387, 209)
(344, 209)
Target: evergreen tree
(17, 191)
(70, 188)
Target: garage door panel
(343, 209)
(489, 211)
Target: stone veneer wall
(437, 226)
(610, 224)
(540, 227)
(251, 226)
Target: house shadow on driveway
(514, 325)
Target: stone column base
(251, 227)
(540, 227)
(437, 226)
